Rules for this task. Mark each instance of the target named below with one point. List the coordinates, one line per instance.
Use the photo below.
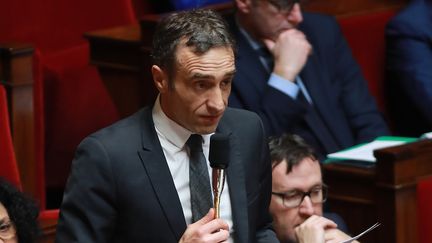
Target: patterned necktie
(199, 182)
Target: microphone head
(219, 151)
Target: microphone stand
(218, 179)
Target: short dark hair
(290, 147)
(201, 29)
(22, 210)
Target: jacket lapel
(237, 187)
(158, 172)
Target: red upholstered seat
(365, 36)
(70, 98)
(8, 166)
(424, 210)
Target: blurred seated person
(299, 193)
(18, 215)
(409, 68)
(297, 72)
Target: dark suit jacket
(409, 66)
(121, 190)
(332, 78)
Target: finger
(269, 44)
(325, 223)
(215, 225)
(219, 236)
(207, 218)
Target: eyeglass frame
(10, 232)
(324, 189)
(284, 9)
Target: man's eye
(225, 83)
(293, 194)
(201, 84)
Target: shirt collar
(171, 130)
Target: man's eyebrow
(201, 75)
(207, 76)
(231, 73)
(310, 188)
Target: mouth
(211, 119)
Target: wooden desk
(385, 193)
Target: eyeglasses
(284, 6)
(7, 230)
(294, 198)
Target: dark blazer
(121, 190)
(409, 68)
(332, 78)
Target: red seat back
(365, 36)
(53, 25)
(8, 165)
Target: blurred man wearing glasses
(296, 71)
(298, 194)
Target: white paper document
(364, 152)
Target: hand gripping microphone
(219, 158)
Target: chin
(205, 130)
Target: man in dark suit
(299, 193)
(409, 62)
(130, 181)
(296, 71)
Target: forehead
(306, 174)
(214, 58)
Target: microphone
(219, 158)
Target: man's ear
(160, 79)
(243, 6)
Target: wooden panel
(16, 74)
(17, 77)
(385, 193)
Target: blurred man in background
(296, 71)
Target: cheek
(318, 209)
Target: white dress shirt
(173, 139)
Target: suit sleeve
(351, 89)
(409, 62)
(265, 232)
(275, 108)
(88, 213)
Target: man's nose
(295, 16)
(216, 101)
(306, 207)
